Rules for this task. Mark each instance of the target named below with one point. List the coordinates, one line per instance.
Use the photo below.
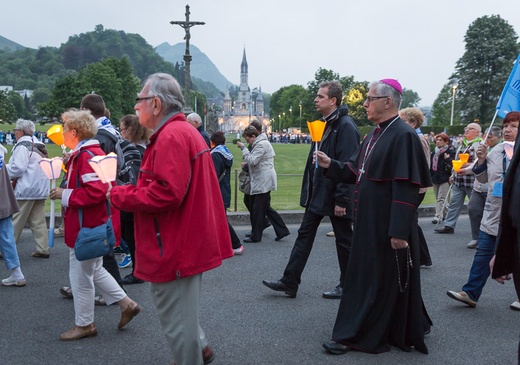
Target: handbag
(93, 242)
(244, 182)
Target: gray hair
(383, 89)
(166, 88)
(195, 118)
(496, 131)
(26, 126)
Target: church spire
(243, 69)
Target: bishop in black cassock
(382, 304)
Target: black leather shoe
(334, 293)
(445, 229)
(335, 348)
(279, 286)
(278, 238)
(249, 240)
(131, 279)
(249, 234)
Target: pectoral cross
(361, 172)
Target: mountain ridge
(201, 65)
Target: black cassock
(382, 303)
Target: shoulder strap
(78, 184)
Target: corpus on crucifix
(187, 24)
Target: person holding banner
(489, 169)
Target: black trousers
(261, 209)
(305, 240)
(127, 233)
(248, 202)
(110, 265)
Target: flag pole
(489, 128)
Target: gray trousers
(456, 202)
(178, 305)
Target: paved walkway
(248, 324)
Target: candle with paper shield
(316, 129)
(52, 169)
(55, 134)
(105, 167)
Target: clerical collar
(386, 123)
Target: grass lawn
(289, 163)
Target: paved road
(248, 324)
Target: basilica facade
(248, 106)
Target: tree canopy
(491, 47)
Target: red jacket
(91, 196)
(180, 224)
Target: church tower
(227, 103)
(260, 103)
(243, 102)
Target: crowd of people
(172, 230)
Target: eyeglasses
(372, 98)
(137, 100)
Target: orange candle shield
(316, 129)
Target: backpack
(128, 159)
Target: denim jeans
(7, 243)
(479, 271)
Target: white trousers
(85, 277)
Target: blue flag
(510, 98)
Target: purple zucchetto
(393, 83)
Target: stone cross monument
(187, 24)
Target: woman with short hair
(85, 191)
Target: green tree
(490, 50)
(354, 98)
(287, 100)
(441, 108)
(7, 109)
(410, 99)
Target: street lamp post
(454, 86)
(279, 124)
(290, 111)
(300, 116)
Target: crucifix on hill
(187, 24)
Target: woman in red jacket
(86, 191)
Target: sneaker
(435, 220)
(461, 296)
(515, 305)
(472, 244)
(126, 262)
(10, 281)
(239, 251)
(331, 234)
(59, 232)
(445, 229)
(119, 250)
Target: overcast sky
(286, 41)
